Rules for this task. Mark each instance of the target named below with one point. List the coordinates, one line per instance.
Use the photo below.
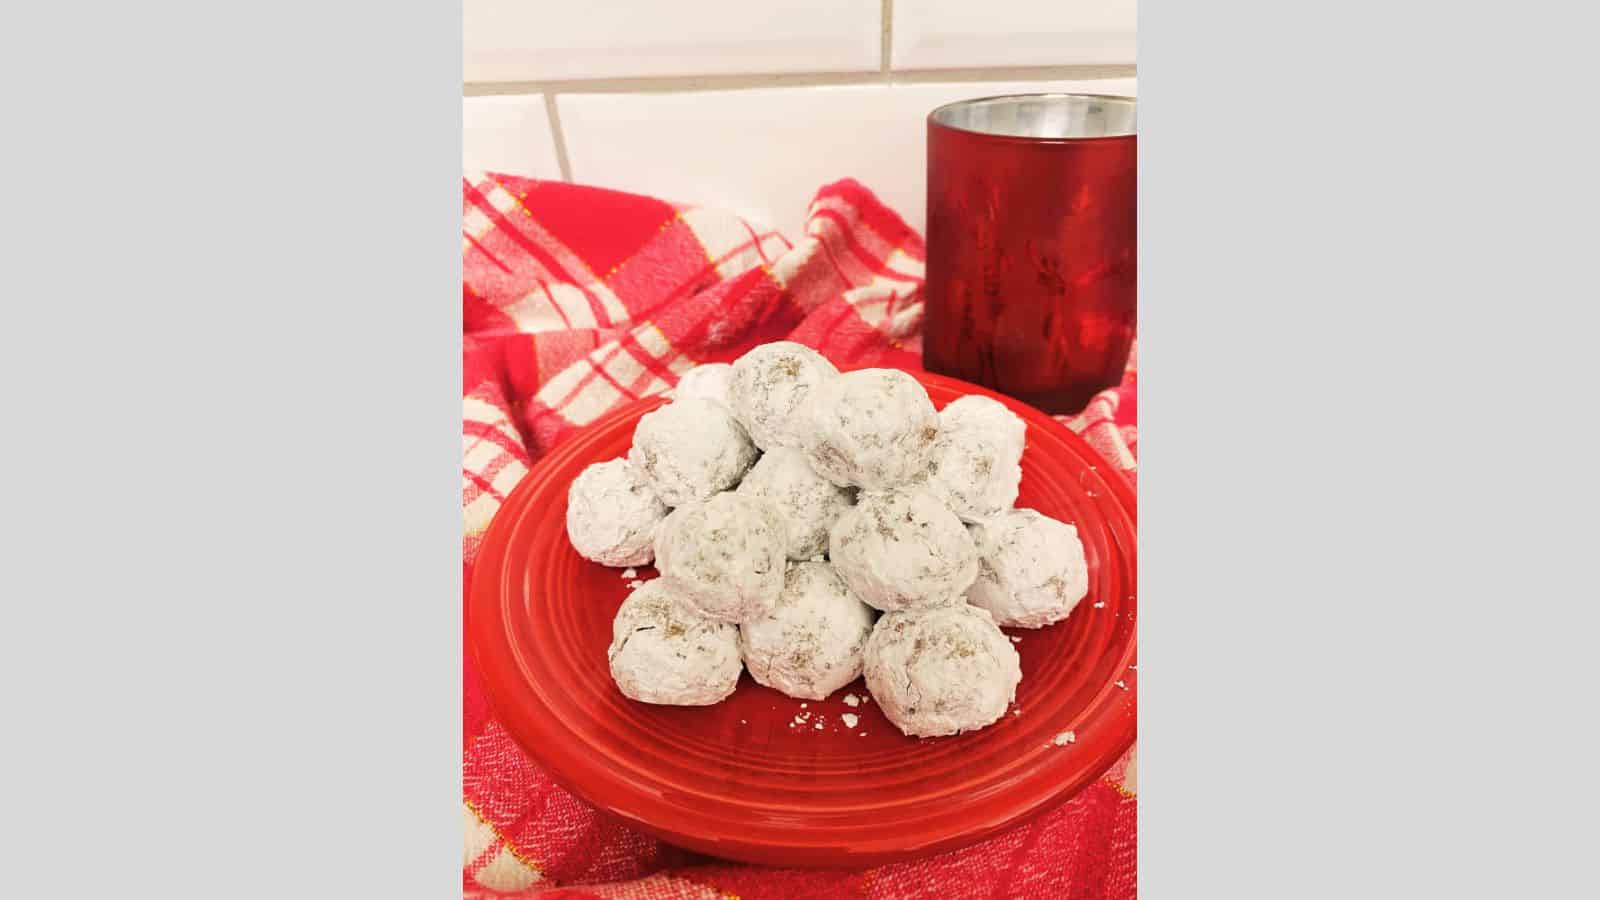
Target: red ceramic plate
(740, 780)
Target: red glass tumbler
(1032, 245)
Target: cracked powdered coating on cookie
(872, 428)
(941, 671)
(1031, 569)
(769, 386)
(691, 449)
(809, 503)
(724, 556)
(903, 550)
(664, 652)
(612, 515)
(810, 645)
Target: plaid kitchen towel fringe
(577, 299)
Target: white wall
(752, 106)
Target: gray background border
(1365, 466)
(232, 649)
(231, 358)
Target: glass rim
(941, 116)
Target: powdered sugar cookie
(612, 514)
(872, 428)
(664, 652)
(724, 557)
(1031, 569)
(975, 473)
(710, 381)
(691, 449)
(903, 550)
(809, 503)
(941, 671)
(811, 644)
(985, 415)
(770, 385)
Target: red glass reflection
(1031, 263)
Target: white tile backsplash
(749, 146)
(518, 40)
(764, 152)
(942, 34)
(508, 134)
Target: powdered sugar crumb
(1100, 604)
(1015, 639)
(630, 573)
(852, 701)
(1065, 738)
(819, 726)
(849, 720)
(1121, 684)
(636, 583)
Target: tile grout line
(886, 43)
(558, 137)
(757, 81)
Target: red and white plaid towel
(577, 299)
